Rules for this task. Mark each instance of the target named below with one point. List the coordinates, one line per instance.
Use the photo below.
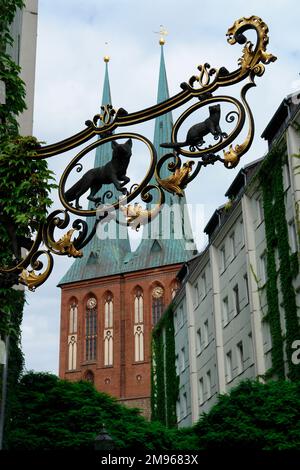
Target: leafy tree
(253, 416)
(51, 413)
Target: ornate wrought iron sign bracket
(202, 87)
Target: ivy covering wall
(276, 228)
(24, 196)
(164, 380)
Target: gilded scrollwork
(29, 270)
(252, 54)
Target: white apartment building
(24, 33)
(222, 334)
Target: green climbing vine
(165, 382)
(277, 237)
(158, 404)
(24, 195)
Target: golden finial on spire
(106, 58)
(162, 33)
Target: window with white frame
(182, 359)
(225, 311)
(196, 294)
(232, 245)
(184, 405)
(263, 268)
(259, 210)
(201, 391)
(236, 299)
(208, 384)
(229, 366)
(246, 286)
(292, 236)
(178, 410)
(181, 316)
(222, 258)
(203, 285)
(177, 364)
(251, 348)
(175, 320)
(198, 341)
(205, 333)
(286, 176)
(240, 357)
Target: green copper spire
(162, 244)
(105, 252)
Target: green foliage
(277, 236)
(56, 414)
(165, 382)
(24, 192)
(294, 262)
(11, 308)
(253, 416)
(53, 414)
(158, 396)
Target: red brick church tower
(112, 296)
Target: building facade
(112, 297)
(236, 316)
(23, 51)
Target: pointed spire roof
(159, 245)
(105, 253)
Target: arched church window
(73, 317)
(108, 310)
(138, 306)
(157, 303)
(138, 327)
(108, 329)
(91, 330)
(72, 350)
(72, 336)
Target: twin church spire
(108, 254)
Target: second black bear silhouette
(114, 172)
(196, 133)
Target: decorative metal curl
(251, 64)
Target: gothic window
(138, 328)
(139, 342)
(108, 329)
(72, 349)
(91, 329)
(73, 318)
(72, 337)
(157, 304)
(108, 311)
(138, 306)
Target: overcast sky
(69, 79)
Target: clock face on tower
(91, 303)
(157, 292)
